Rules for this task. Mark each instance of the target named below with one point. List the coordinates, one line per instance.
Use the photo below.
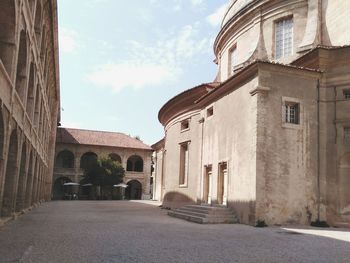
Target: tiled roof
(100, 138)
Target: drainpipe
(318, 152)
(201, 121)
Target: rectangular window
(292, 112)
(346, 94)
(184, 159)
(284, 38)
(233, 54)
(185, 125)
(210, 111)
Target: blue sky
(121, 60)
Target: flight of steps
(204, 214)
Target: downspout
(201, 121)
(318, 152)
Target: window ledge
(292, 126)
(185, 130)
(183, 186)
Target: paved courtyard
(112, 231)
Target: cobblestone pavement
(112, 231)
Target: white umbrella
(71, 183)
(87, 185)
(121, 185)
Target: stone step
(205, 214)
(199, 212)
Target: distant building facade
(270, 138)
(29, 102)
(75, 148)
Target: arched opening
(7, 33)
(2, 139)
(37, 108)
(37, 23)
(65, 159)
(35, 182)
(42, 45)
(30, 94)
(88, 160)
(115, 157)
(344, 186)
(134, 190)
(10, 176)
(29, 183)
(58, 191)
(21, 180)
(134, 164)
(21, 74)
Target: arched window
(134, 164)
(88, 160)
(21, 74)
(10, 176)
(30, 94)
(115, 157)
(65, 159)
(37, 23)
(7, 33)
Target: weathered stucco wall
(287, 178)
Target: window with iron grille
(292, 112)
(284, 38)
(346, 94)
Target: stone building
(270, 138)
(76, 147)
(29, 102)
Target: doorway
(207, 184)
(222, 184)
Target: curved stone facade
(249, 27)
(271, 139)
(29, 102)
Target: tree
(104, 173)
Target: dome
(233, 8)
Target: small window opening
(185, 125)
(346, 94)
(210, 112)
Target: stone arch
(21, 73)
(37, 21)
(134, 164)
(87, 160)
(21, 180)
(65, 159)
(115, 157)
(344, 185)
(36, 182)
(134, 190)
(10, 176)
(58, 188)
(42, 45)
(30, 93)
(29, 182)
(37, 108)
(7, 33)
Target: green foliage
(104, 172)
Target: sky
(122, 60)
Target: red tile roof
(100, 138)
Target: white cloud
(215, 18)
(68, 40)
(152, 64)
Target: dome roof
(233, 8)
